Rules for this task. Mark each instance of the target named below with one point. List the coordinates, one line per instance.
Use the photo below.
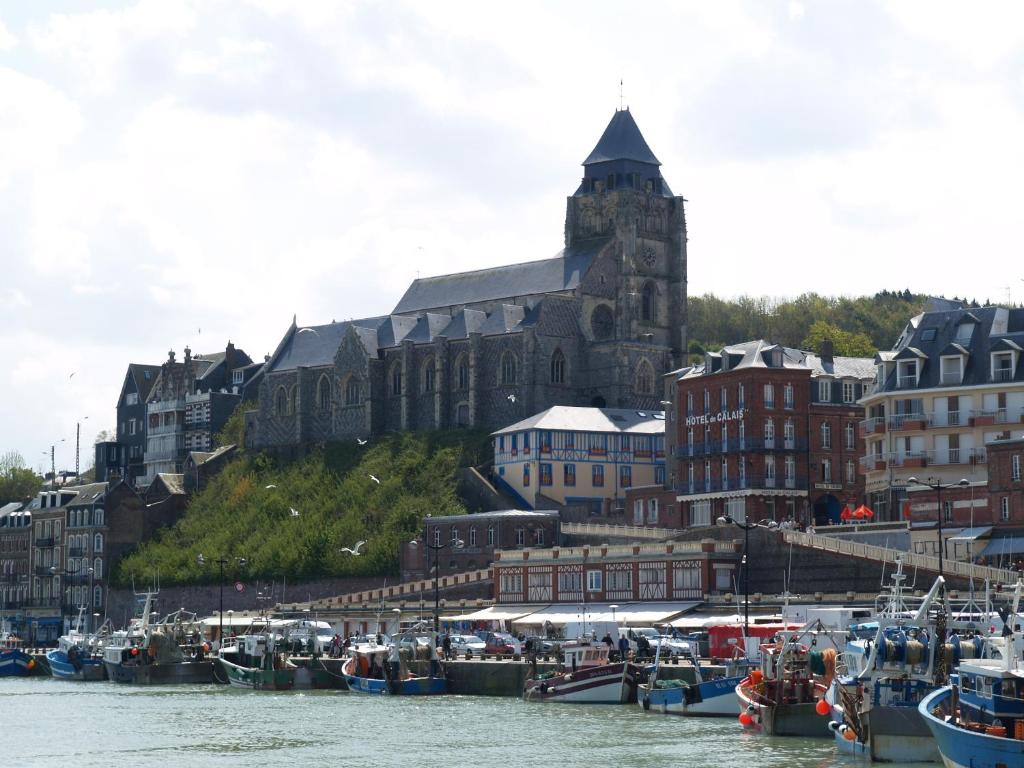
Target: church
(598, 324)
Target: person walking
(623, 647)
(446, 646)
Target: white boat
(79, 656)
(587, 678)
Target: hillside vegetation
(338, 503)
(857, 325)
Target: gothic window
(323, 393)
(97, 545)
(281, 402)
(396, 380)
(647, 311)
(644, 378)
(352, 394)
(558, 367)
(462, 415)
(428, 375)
(461, 373)
(508, 368)
(602, 322)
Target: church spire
(622, 159)
(622, 140)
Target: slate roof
(757, 354)
(995, 328)
(86, 494)
(621, 140)
(143, 382)
(317, 345)
(174, 483)
(562, 272)
(578, 419)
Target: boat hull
(961, 748)
(800, 719)
(712, 698)
(15, 663)
(63, 668)
(412, 686)
(604, 684)
(161, 674)
(258, 679)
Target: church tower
(640, 296)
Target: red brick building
(681, 570)
(1006, 481)
(764, 431)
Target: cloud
(7, 40)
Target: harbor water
(52, 722)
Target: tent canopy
(637, 614)
(970, 534)
(493, 613)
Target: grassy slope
(338, 504)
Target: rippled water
(49, 722)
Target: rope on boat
(823, 663)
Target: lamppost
(725, 520)
(76, 572)
(939, 487)
(221, 561)
(435, 548)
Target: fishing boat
(79, 656)
(159, 652)
(14, 662)
(586, 677)
(253, 661)
(978, 720)
(714, 697)
(404, 667)
(782, 697)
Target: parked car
(542, 644)
(467, 644)
(501, 642)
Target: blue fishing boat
(978, 720)
(714, 697)
(14, 662)
(79, 656)
(408, 666)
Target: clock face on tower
(602, 322)
(648, 255)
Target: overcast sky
(184, 173)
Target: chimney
(826, 351)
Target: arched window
(99, 517)
(647, 308)
(97, 568)
(353, 395)
(292, 399)
(644, 378)
(461, 373)
(428, 375)
(558, 367)
(97, 596)
(323, 393)
(97, 543)
(462, 415)
(508, 368)
(281, 402)
(396, 380)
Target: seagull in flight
(353, 550)
(294, 511)
(72, 374)
(361, 441)
(375, 479)
(309, 330)
(512, 398)
(270, 486)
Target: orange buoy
(746, 720)
(849, 734)
(31, 664)
(756, 676)
(822, 707)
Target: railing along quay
(619, 531)
(889, 555)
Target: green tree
(844, 343)
(17, 482)
(233, 432)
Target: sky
(181, 173)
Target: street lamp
(939, 487)
(613, 607)
(725, 520)
(435, 548)
(221, 561)
(76, 572)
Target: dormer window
(1003, 365)
(237, 376)
(964, 331)
(907, 372)
(952, 369)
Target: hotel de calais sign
(715, 418)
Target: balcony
(945, 419)
(906, 381)
(978, 456)
(982, 418)
(951, 379)
(165, 429)
(163, 406)
(874, 425)
(1002, 374)
(908, 422)
(873, 462)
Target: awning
(970, 534)
(639, 614)
(1007, 545)
(493, 613)
(701, 620)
